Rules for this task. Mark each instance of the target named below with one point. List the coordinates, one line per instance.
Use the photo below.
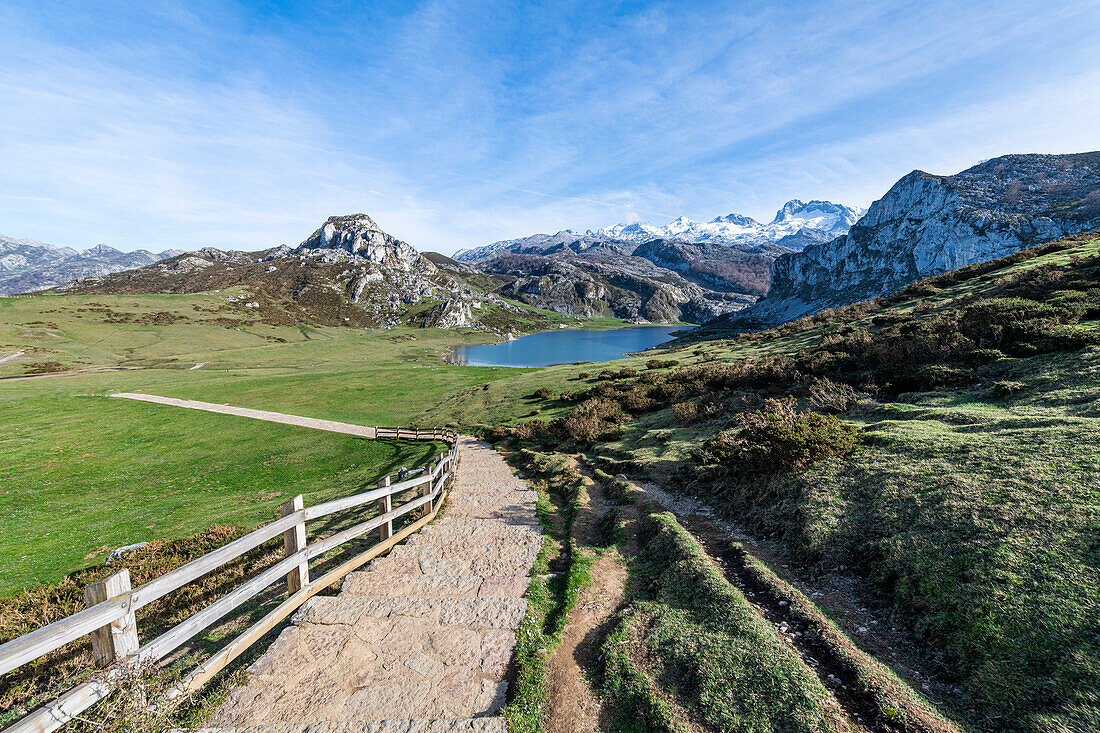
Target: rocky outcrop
(928, 224)
(627, 287)
(28, 265)
(358, 237)
(745, 270)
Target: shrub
(779, 438)
(978, 357)
(592, 419)
(685, 412)
(496, 433)
(544, 393)
(1005, 388)
(583, 375)
(660, 363)
(624, 373)
(830, 396)
(638, 400)
(1069, 338)
(940, 375)
(531, 430)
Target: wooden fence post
(385, 504)
(294, 540)
(118, 639)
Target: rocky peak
(360, 237)
(101, 250)
(737, 219)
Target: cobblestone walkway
(421, 640)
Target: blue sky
(453, 123)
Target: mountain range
(27, 265)
(350, 272)
(796, 225)
(732, 272)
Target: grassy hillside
(939, 448)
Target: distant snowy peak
(641, 231)
(812, 218)
(823, 215)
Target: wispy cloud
(455, 122)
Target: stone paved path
(420, 641)
(305, 422)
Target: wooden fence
(415, 433)
(109, 617)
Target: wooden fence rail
(109, 618)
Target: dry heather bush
(531, 430)
(830, 396)
(638, 401)
(685, 412)
(592, 419)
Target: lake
(565, 346)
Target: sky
(453, 123)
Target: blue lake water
(565, 346)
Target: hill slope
(933, 455)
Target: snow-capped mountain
(810, 217)
(27, 264)
(796, 225)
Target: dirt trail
(803, 627)
(279, 417)
(574, 707)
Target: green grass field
(82, 474)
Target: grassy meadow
(82, 473)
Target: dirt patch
(66, 373)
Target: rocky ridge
(27, 265)
(929, 224)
